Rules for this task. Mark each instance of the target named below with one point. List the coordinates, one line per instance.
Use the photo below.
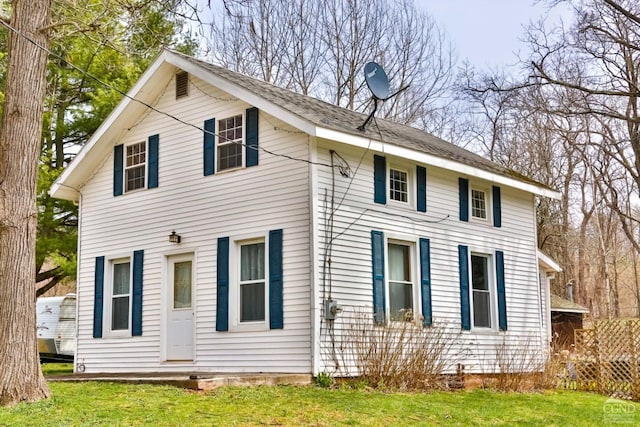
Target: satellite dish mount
(378, 84)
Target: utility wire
(149, 106)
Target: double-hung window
(481, 290)
(478, 204)
(230, 143)
(252, 282)
(120, 296)
(401, 289)
(398, 185)
(135, 166)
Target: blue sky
(487, 32)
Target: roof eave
(428, 159)
(75, 174)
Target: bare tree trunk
(20, 375)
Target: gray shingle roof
(336, 118)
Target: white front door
(180, 314)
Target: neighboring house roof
(564, 305)
(313, 116)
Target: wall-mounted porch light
(175, 238)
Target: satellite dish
(377, 80)
(378, 83)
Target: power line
(149, 106)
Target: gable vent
(182, 84)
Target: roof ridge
(341, 119)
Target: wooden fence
(606, 359)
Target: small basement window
(182, 84)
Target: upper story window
(135, 166)
(481, 290)
(398, 185)
(478, 204)
(230, 143)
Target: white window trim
(108, 297)
(410, 186)
(414, 271)
(488, 204)
(493, 290)
(146, 166)
(242, 142)
(234, 283)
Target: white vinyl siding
(242, 202)
(351, 269)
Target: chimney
(570, 290)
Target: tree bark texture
(20, 375)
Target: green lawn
(107, 404)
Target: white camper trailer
(56, 328)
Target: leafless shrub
(401, 355)
(518, 361)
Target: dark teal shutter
(377, 259)
(222, 310)
(136, 303)
(379, 179)
(276, 309)
(251, 147)
(118, 171)
(152, 181)
(463, 188)
(421, 180)
(209, 147)
(502, 298)
(497, 209)
(465, 312)
(98, 298)
(425, 281)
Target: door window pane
(182, 285)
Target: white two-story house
(218, 213)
